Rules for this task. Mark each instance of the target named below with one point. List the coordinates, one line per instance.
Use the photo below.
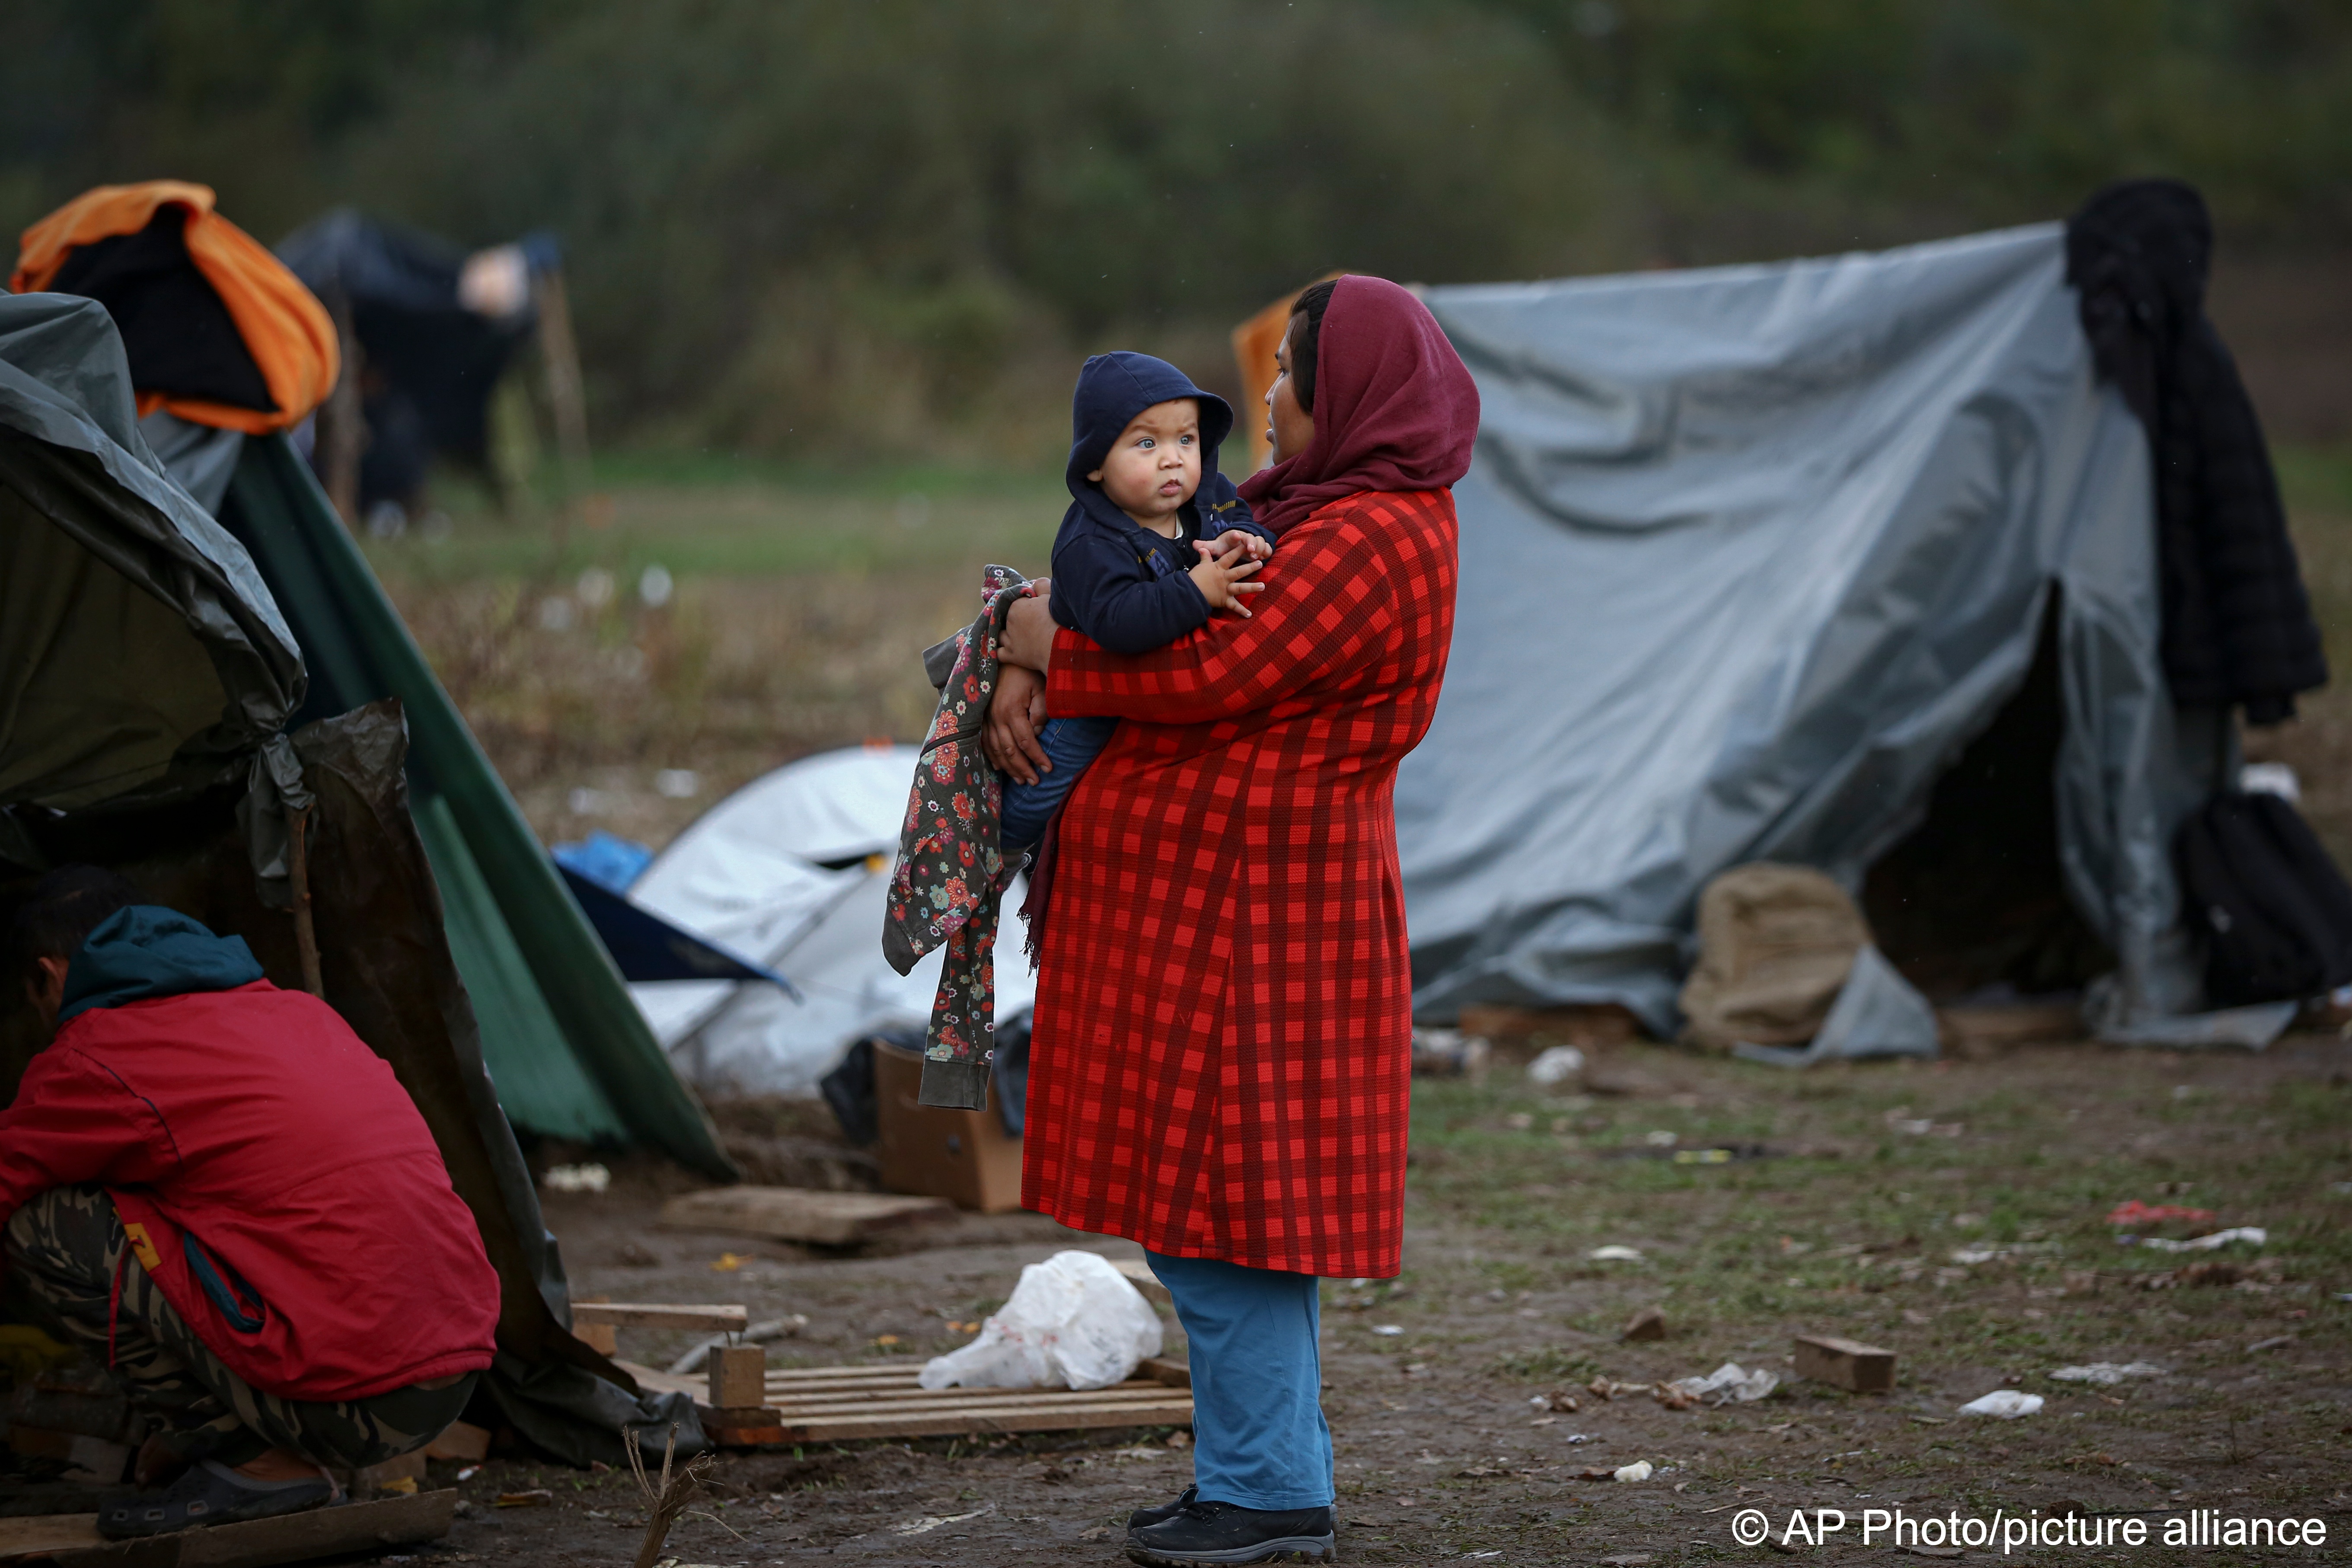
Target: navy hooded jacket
(1115, 581)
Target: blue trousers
(1070, 744)
(1258, 1435)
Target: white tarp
(792, 871)
(1748, 555)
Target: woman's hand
(1029, 631)
(1017, 708)
(1015, 711)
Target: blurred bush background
(832, 263)
(852, 231)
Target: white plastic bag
(1732, 1382)
(2004, 1403)
(1073, 1322)
(1556, 1066)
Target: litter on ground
(1449, 1053)
(1614, 1255)
(577, 1179)
(1556, 1065)
(1073, 1322)
(1639, 1470)
(2251, 1235)
(2107, 1373)
(1730, 1384)
(2006, 1402)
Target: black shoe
(208, 1492)
(1143, 1518)
(1217, 1532)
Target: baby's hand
(1236, 539)
(1219, 577)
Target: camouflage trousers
(64, 1249)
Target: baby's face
(1155, 465)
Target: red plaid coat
(1221, 1064)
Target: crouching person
(220, 1193)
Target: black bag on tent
(2275, 912)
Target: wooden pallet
(836, 1403)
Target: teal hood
(144, 951)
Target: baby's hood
(1114, 388)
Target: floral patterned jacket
(949, 884)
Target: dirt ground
(1954, 1212)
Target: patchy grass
(1852, 1226)
(800, 602)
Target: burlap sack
(1775, 945)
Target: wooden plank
(652, 1379)
(907, 1370)
(1174, 1410)
(893, 1396)
(1991, 1028)
(322, 1533)
(799, 1214)
(655, 1315)
(1848, 1363)
(353, 1527)
(42, 1535)
(1139, 1275)
(1165, 1370)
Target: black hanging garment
(2238, 627)
(2276, 913)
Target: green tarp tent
(569, 1051)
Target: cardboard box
(963, 1156)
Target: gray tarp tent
(146, 679)
(1749, 556)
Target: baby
(1134, 564)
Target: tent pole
(345, 427)
(305, 933)
(566, 397)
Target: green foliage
(841, 230)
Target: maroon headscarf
(1394, 409)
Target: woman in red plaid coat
(1220, 1065)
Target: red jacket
(1221, 1057)
(249, 1133)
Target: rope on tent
(298, 867)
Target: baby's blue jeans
(1071, 743)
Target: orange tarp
(1254, 342)
(287, 331)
